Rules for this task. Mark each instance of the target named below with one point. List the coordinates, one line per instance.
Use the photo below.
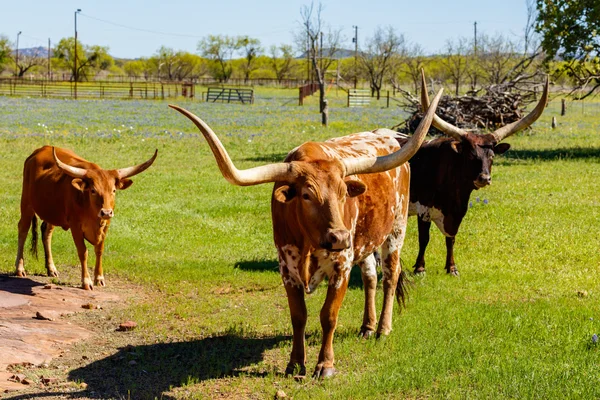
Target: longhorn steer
(446, 170)
(333, 204)
(73, 194)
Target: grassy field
(194, 255)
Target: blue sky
(180, 24)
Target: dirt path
(32, 331)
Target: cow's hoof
(87, 286)
(322, 372)
(382, 335)
(454, 272)
(297, 371)
(366, 333)
(21, 274)
(420, 271)
(53, 273)
(99, 281)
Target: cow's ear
(456, 146)
(284, 193)
(355, 188)
(124, 183)
(79, 184)
(501, 148)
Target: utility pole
(475, 37)
(48, 58)
(355, 41)
(75, 57)
(17, 56)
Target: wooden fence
(305, 91)
(230, 95)
(359, 97)
(109, 90)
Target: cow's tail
(402, 288)
(34, 237)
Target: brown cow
(446, 170)
(333, 204)
(65, 190)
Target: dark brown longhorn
(446, 170)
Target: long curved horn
(514, 127)
(439, 123)
(252, 176)
(384, 163)
(131, 171)
(69, 170)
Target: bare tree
(496, 59)
(250, 49)
(414, 61)
(281, 61)
(378, 55)
(322, 45)
(29, 59)
(219, 49)
(455, 61)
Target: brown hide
(84, 204)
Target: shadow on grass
(148, 371)
(258, 266)
(554, 154)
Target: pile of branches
(498, 106)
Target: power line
(140, 29)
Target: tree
(380, 52)
(90, 59)
(570, 30)
(455, 61)
(219, 49)
(5, 52)
(29, 60)
(497, 55)
(414, 61)
(321, 47)
(251, 49)
(281, 61)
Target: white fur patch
(428, 214)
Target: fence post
(563, 107)
(388, 99)
(300, 98)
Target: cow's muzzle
(336, 240)
(106, 213)
(482, 180)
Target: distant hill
(39, 51)
(341, 53)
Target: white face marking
(428, 214)
(326, 261)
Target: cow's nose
(336, 240)
(106, 213)
(485, 179)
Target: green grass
(211, 308)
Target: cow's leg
(27, 215)
(98, 274)
(423, 226)
(450, 265)
(295, 295)
(368, 271)
(391, 270)
(82, 252)
(338, 284)
(47, 230)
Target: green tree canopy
(571, 30)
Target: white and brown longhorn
(446, 170)
(333, 204)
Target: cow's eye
(114, 191)
(94, 191)
(305, 196)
